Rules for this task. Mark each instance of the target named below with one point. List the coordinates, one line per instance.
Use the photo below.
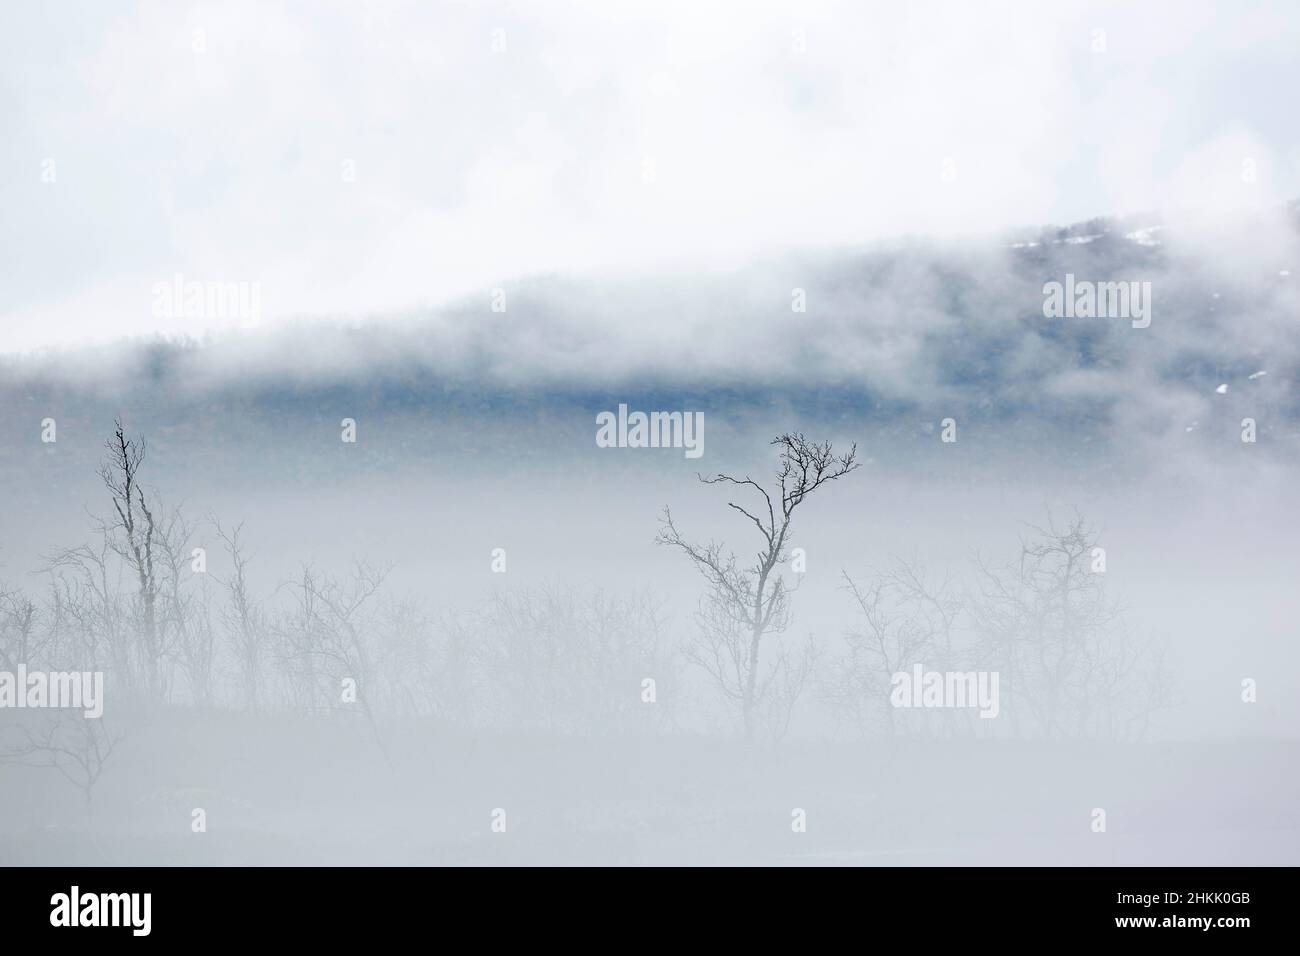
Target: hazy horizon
(649, 434)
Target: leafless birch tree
(746, 603)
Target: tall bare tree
(133, 535)
(746, 603)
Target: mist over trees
(1068, 665)
(464, 434)
(138, 602)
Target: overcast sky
(489, 141)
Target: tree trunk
(751, 682)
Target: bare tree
(77, 747)
(325, 639)
(1048, 624)
(133, 536)
(19, 639)
(86, 610)
(244, 619)
(184, 617)
(906, 618)
(744, 604)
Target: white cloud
(474, 166)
